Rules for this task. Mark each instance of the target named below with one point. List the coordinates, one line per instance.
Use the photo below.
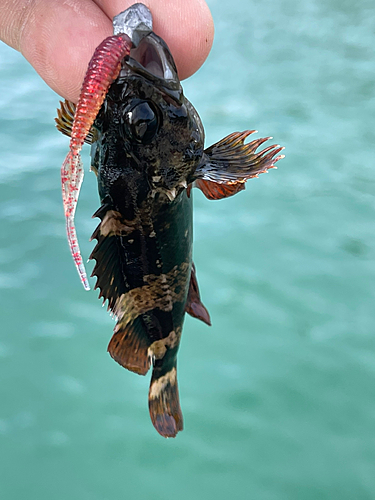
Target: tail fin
(164, 403)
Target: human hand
(58, 38)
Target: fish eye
(142, 122)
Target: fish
(148, 152)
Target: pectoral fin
(216, 191)
(65, 119)
(229, 163)
(194, 306)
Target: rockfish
(147, 150)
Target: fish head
(147, 121)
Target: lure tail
(163, 400)
(71, 179)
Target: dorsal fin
(130, 342)
(110, 267)
(129, 346)
(65, 118)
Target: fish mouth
(153, 60)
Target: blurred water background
(279, 395)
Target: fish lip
(153, 60)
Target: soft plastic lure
(103, 69)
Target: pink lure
(102, 70)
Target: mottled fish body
(147, 152)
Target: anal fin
(194, 306)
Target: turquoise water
(279, 395)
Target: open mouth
(154, 58)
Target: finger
(59, 38)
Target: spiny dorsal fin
(130, 342)
(109, 265)
(229, 163)
(65, 118)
